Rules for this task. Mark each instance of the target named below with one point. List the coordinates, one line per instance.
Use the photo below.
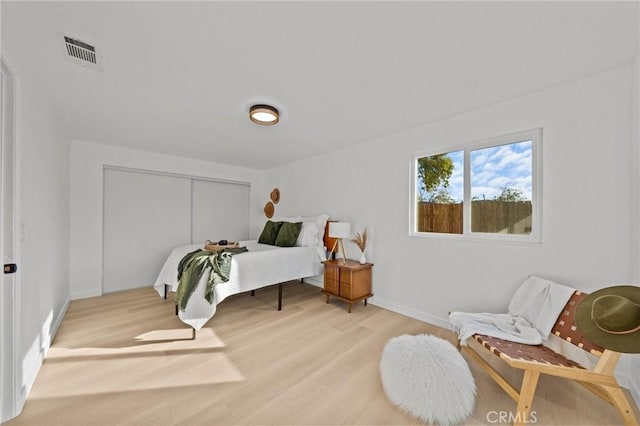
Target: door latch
(10, 268)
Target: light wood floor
(125, 359)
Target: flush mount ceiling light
(264, 115)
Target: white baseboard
(55, 325)
(318, 282)
(35, 355)
(413, 313)
(85, 294)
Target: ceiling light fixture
(264, 115)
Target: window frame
(535, 237)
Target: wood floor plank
(126, 359)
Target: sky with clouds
(492, 169)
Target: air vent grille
(81, 53)
(80, 50)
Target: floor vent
(81, 53)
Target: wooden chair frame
(600, 380)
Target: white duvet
(261, 266)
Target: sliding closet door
(220, 211)
(145, 217)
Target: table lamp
(339, 231)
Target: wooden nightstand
(349, 281)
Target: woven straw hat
(275, 195)
(610, 317)
(268, 209)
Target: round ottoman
(428, 378)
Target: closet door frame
(192, 178)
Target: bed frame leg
(176, 309)
(253, 292)
(302, 280)
(280, 296)
(165, 291)
(193, 334)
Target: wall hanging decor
(275, 195)
(268, 209)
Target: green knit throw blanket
(198, 262)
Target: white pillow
(294, 219)
(321, 221)
(308, 235)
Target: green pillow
(270, 232)
(288, 234)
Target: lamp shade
(339, 229)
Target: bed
(263, 265)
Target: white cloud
(502, 166)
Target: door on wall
(145, 215)
(148, 214)
(8, 290)
(220, 211)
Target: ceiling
(179, 77)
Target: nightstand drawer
(345, 277)
(332, 273)
(345, 290)
(330, 285)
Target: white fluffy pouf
(428, 378)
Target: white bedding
(261, 266)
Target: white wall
(629, 363)
(635, 137)
(587, 170)
(42, 281)
(87, 162)
(586, 206)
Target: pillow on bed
(289, 219)
(321, 221)
(308, 236)
(288, 234)
(270, 232)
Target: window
(489, 189)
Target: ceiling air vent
(81, 53)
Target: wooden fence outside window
(507, 217)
